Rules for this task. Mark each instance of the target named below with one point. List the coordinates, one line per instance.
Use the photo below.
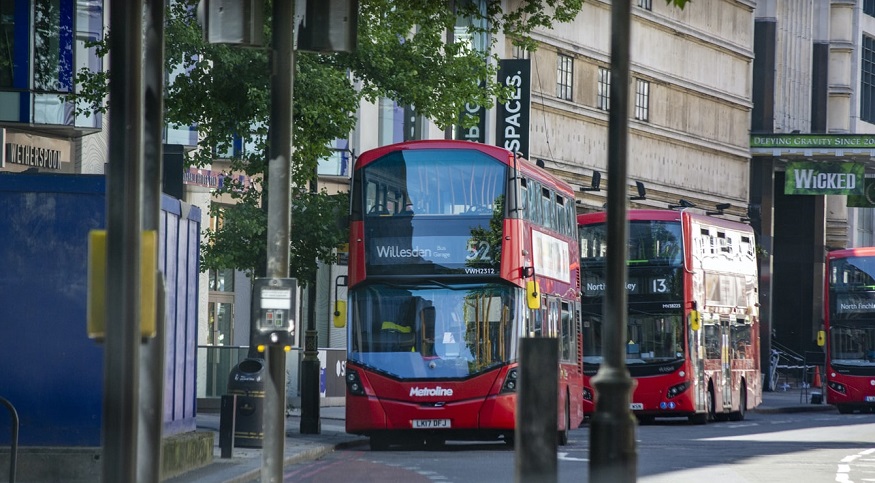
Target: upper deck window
(649, 241)
(852, 274)
(434, 182)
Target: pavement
(244, 466)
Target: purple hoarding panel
(52, 372)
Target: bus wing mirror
(340, 313)
(821, 338)
(340, 305)
(695, 320)
(533, 294)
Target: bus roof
(631, 215)
(664, 215)
(496, 152)
(851, 252)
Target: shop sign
(32, 156)
(813, 178)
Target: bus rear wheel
(742, 405)
(563, 433)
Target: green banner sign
(867, 199)
(836, 141)
(811, 178)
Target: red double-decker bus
(457, 250)
(849, 319)
(692, 319)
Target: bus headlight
(839, 388)
(675, 390)
(510, 381)
(587, 394)
(354, 383)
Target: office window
(865, 228)
(642, 100)
(869, 7)
(391, 122)
(604, 86)
(867, 82)
(564, 76)
(646, 4)
(520, 52)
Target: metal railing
(785, 366)
(13, 452)
(220, 361)
(788, 369)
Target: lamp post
(612, 438)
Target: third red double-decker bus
(692, 320)
(457, 250)
(849, 319)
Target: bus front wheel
(703, 418)
(379, 443)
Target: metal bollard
(537, 411)
(227, 424)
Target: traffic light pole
(279, 218)
(612, 438)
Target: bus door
(552, 317)
(726, 361)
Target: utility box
(235, 22)
(327, 25)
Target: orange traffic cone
(817, 382)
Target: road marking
(843, 470)
(565, 457)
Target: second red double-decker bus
(692, 320)
(849, 319)
(457, 250)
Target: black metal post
(123, 233)
(227, 426)
(613, 457)
(279, 220)
(311, 423)
(535, 436)
(310, 410)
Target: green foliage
(242, 240)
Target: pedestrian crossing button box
(273, 311)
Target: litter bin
(246, 381)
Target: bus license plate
(870, 398)
(431, 423)
(636, 406)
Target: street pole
(123, 240)
(151, 418)
(279, 220)
(612, 437)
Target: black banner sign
(477, 132)
(512, 117)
